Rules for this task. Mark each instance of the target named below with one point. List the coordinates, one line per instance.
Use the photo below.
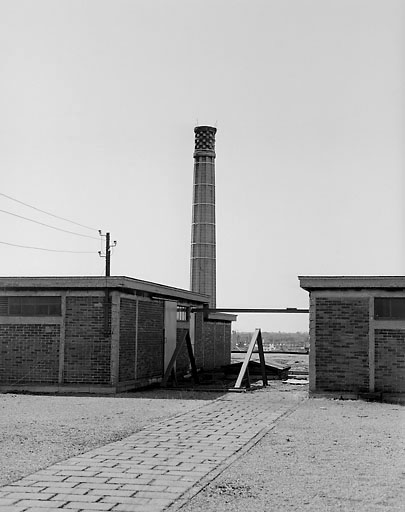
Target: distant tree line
(273, 341)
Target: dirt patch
(234, 489)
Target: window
(389, 308)
(34, 306)
(3, 305)
(182, 314)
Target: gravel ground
(328, 455)
(39, 430)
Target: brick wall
(390, 360)
(150, 339)
(127, 340)
(87, 345)
(208, 339)
(212, 343)
(29, 353)
(342, 340)
(227, 330)
(217, 344)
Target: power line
(47, 213)
(48, 226)
(44, 249)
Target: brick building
(357, 336)
(98, 334)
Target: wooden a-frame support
(256, 338)
(170, 366)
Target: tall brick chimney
(203, 251)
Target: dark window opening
(3, 305)
(34, 306)
(183, 314)
(389, 308)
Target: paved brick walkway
(153, 468)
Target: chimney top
(204, 141)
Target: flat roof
(122, 283)
(353, 282)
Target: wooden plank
(249, 353)
(174, 377)
(170, 366)
(261, 357)
(247, 377)
(192, 360)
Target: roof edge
(341, 282)
(100, 282)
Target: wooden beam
(245, 363)
(262, 359)
(170, 367)
(256, 338)
(192, 359)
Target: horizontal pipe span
(300, 353)
(256, 310)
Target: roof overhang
(122, 283)
(311, 283)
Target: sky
(98, 104)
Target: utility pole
(107, 257)
(107, 254)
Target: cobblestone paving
(150, 470)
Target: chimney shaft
(203, 250)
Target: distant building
(98, 334)
(357, 336)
